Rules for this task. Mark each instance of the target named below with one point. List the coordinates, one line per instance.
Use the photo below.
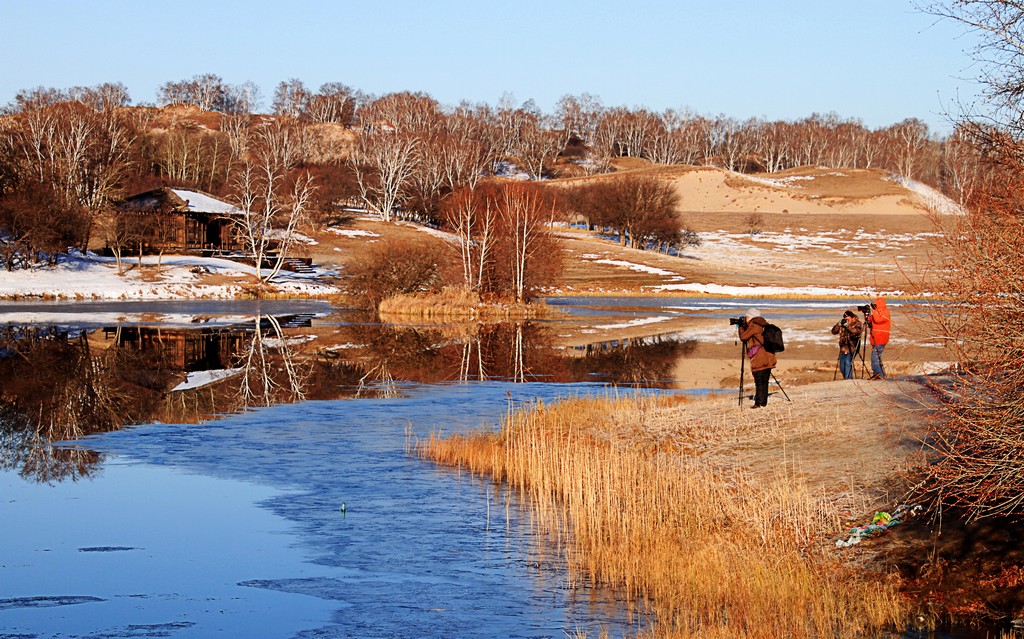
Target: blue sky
(880, 61)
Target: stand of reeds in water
(710, 550)
(459, 304)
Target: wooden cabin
(179, 221)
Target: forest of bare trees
(67, 156)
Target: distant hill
(802, 190)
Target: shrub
(393, 268)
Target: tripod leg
(780, 387)
(865, 346)
(743, 349)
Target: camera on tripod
(738, 321)
(864, 308)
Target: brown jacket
(849, 338)
(753, 339)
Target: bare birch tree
(965, 169)
(427, 181)
(537, 147)
(525, 213)
(271, 202)
(466, 155)
(333, 102)
(907, 140)
(383, 161)
(579, 116)
(291, 98)
(205, 91)
(240, 102)
(391, 150)
(473, 215)
(663, 142)
(635, 126)
(773, 146)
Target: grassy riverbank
(721, 518)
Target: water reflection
(63, 382)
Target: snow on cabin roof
(199, 203)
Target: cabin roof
(202, 203)
(179, 201)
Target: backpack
(772, 336)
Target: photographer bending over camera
(879, 322)
(848, 329)
(761, 361)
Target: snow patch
(203, 378)
(775, 291)
(353, 232)
(640, 268)
(637, 322)
(90, 276)
(932, 198)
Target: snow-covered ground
(92, 277)
(774, 291)
(934, 199)
(740, 251)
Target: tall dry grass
(458, 303)
(715, 551)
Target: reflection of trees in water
(271, 373)
(639, 361)
(54, 379)
(389, 354)
(516, 351)
(58, 385)
(331, 377)
(36, 458)
(51, 389)
(270, 369)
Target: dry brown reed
(715, 549)
(458, 303)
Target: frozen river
(237, 528)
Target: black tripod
(864, 367)
(861, 349)
(865, 344)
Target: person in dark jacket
(848, 329)
(761, 361)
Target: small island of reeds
(460, 304)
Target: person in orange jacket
(881, 323)
(761, 361)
